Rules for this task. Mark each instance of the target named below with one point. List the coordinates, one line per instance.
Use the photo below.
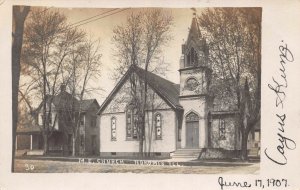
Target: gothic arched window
(113, 129)
(158, 126)
(222, 129)
(131, 122)
(192, 58)
(191, 117)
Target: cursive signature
(278, 87)
(283, 142)
(281, 83)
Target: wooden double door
(192, 134)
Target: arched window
(192, 58)
(113, 129)
(131, 122)
(192, 117)
(158, 126)
(222, 129)
(191, 84)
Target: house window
(93, 121)
(113, 129)
(131, 123)
(158, 126)
(82, 140)
(222, 129)
(41, 119)
(82, 120)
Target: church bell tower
(194, 83)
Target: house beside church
(181, 119)
(29, 138)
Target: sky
(103, 29)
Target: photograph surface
(136, 90)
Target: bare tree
(19, 15)
(139, 43)
(49, 40)
(234, 37)
(83, 66)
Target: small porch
(29, 141)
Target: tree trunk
(150, 132)
(244, 153)
(45, 136)
(73, 145)
(141, 140)
(19, 19)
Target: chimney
(62, 88)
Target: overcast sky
(103, 28)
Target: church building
(180, 119)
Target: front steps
(191, 154)
(35, 153)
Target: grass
(48, 166)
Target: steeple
(194, 71)
(194, 50)
(195, 32)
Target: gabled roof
(65, 100)
(167, 90)
(86, 104)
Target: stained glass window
(158, 126)
(131, 123)
(222, 129)
(113, 129)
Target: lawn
(48, 166)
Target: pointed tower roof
(195, 29)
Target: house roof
(167, 90)
(29, 129)
(86, 104)
(65, 100)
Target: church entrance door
(192, 130)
